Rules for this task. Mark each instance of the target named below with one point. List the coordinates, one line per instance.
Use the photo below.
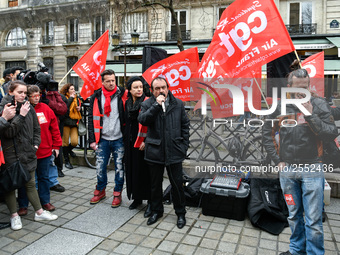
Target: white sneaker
(16, 223)
(46, 215)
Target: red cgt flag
(248, 35)
(221, 99)
(177, 70)
(315, 68)
(91, 64)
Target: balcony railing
(302, 29)
(48, 39)
(70, 38)
(172, 36)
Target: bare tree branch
(167, 5)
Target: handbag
(14, 176)
(81, 128)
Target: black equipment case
(225, 203)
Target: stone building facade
(58, 32)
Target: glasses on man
(36, 96)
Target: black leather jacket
(167, 139)
(301, 144)
(336, 112)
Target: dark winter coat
(26, 133)
(167, 139)
(301, 144)
(3, 124)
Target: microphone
(163, 104)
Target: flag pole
(64, 77)
(258, 86)
(297, 56)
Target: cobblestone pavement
(86, 229)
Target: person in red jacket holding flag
(50, 143)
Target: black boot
(72, 154)
(148, 211)
(60, 173)
(66, 158)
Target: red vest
(142, 130)
(2, 159)
(96, 120)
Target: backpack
(192, 193)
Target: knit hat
(131, 80)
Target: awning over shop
(332, 67)
(336, 42)
(309, 44)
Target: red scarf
(107, 95)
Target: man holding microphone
(166, 143)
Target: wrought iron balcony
(302, 29)
(48, 39)
(172, 36)
(70, 38)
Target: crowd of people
(123, 122)
(34, 136)
(146, 135)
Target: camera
(42, 67)
(12, 100)
(40, 78)
(21, 75)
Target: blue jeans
(303, 191)
(103, 152)
(43, 168)
(53, 172)
(42, 184)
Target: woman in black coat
(21, 139)
(137, 175)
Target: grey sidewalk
(99, 229)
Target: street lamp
(124, 48)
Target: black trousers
(58, 161)
(175, 174)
